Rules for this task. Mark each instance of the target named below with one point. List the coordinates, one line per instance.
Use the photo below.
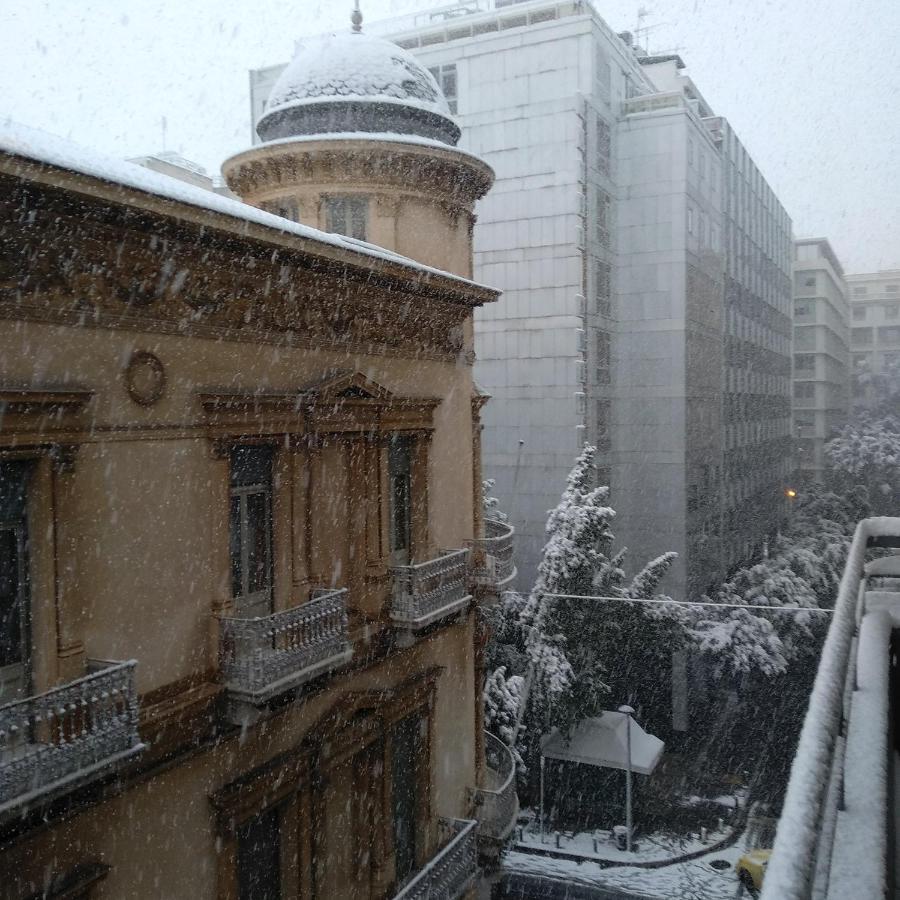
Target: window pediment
(338, 402)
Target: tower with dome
(359, 140)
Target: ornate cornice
(445, 175)
(68, 259)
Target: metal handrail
(800, 851)
(451, 871)
(265, 651)
(498, 807)
(59, 737)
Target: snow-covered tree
(867, 451)
(588, 653)
(492, 504)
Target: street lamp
(628, 712)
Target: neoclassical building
(242, 552)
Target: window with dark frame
(400, 480)
(251, 528)
(14, 581)
(445, 76)
(347, 216)
(405, 754)
(259, 857)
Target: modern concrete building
(645, 266)
(874, 336)
(176, 166)
(821, 353)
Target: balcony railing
(430, 590)
(59, 740)
(498, 804)
(451, 871)
(493, 554)
(266, 656)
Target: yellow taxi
(751, 869)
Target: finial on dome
(356, 18)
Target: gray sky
(813, 88)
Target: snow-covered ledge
(843, 700)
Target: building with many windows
(645, 265)
(874, 337)
(241, 541)
(821, 353)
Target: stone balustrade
(451, 871)
(56, 741)
(266, 656)
(428, 591)
(497, 801)
(493, 563)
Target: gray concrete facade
(608, 231)
(821, 354)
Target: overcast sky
(813, 88)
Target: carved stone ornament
(145, 378)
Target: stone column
(421, 549)
(300, 513)
(219, 543)
(357, 531)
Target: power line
(747, 606)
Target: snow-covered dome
(354, 82)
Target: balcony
(57, 741)
(429, 591)
(269, 655)
(493, 565)
(497, 802)
(451, 871)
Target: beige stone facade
(150, 346)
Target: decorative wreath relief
(145, 378)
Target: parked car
(751, 869)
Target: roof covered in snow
(352, 79)
(33, 144)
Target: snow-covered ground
(599, 845)
(692, 880)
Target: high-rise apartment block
(874, 336)
(645, 269)
(821, 353)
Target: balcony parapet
(497, 802)
(428, 591)
(493, 564)
(451, 871)
(57, 741)
(269, 655)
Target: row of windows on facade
(346, 215)
(891, 311)
(755, 332)
(263, 839)
(745, 434)
(888, 334)
(861, 290)
(251, 545)
(251, 520)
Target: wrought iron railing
(429, 590)
(264, 656)
(451, 871)
(62, 738)
(493, 561)
(498, 805)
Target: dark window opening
(259, 857)
(347, 215)
(251, 528)
(404, 797)
(400, 477)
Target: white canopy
(601, 741)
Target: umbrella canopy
(601, 741)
